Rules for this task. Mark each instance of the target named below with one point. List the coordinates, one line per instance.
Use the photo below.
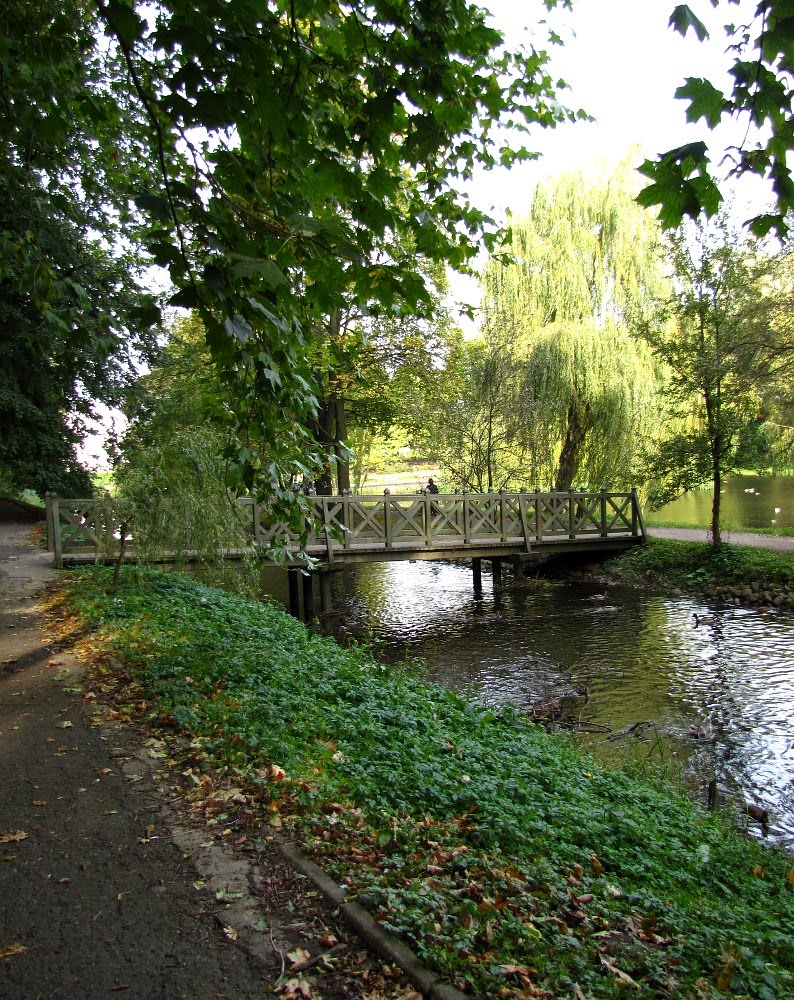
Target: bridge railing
(389, 522)
(412, 521)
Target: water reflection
(748, 503)
(720, 692)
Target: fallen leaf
(230, 932)
(38, 802)
(13, 837)
(296, 989)
(623, 979)
(8, 950)
(65, 725)
(299, 956)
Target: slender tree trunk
(574, 439)
(715, 444)
(325, 439)
(716, 536)
(342, 464)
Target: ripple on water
(719, 688)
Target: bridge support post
(325, 591)
(496, 571)
(476, 570)
(308, 596)
(294, 598)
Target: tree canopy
(284, 134)
(584, 268)
(727, 338)
(72, 315)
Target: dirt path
(97, 899)
(105, 885)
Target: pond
(748, 503)
(711, 687)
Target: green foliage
(71, 314)
(688, 564)
(300, 144)
(465, 414)
(584, 268)
(682, 179)
(174, 479)
(727, 340)
(494, 847)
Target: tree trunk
(716, 473)
(325, 438)
(574, 439)
(712, 401)
(342, 464)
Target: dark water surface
(719, 694)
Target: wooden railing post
(49, 503)
(57, 542)
(346, 520)
(637, 523)
(466, 518)
(603, 512)
(428, 518)
(502, 515)
(387, 518)
(571, 516)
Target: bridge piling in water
(476, 570)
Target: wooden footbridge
(380, 528)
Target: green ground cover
(511, 862)
(690, 565)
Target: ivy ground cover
(511, 862)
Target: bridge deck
(363, 528)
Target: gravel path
(779, 543)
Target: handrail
(342, 526)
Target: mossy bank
(512, 863)
(737, 574)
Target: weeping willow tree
(592, 397)
(584, 268)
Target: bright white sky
(623, 65)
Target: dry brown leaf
(299, 956)
(8, 950)
(13, 836)
(623, 978)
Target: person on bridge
(431, 486)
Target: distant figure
(431, 486)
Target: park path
(96, 899)
(778, 543)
